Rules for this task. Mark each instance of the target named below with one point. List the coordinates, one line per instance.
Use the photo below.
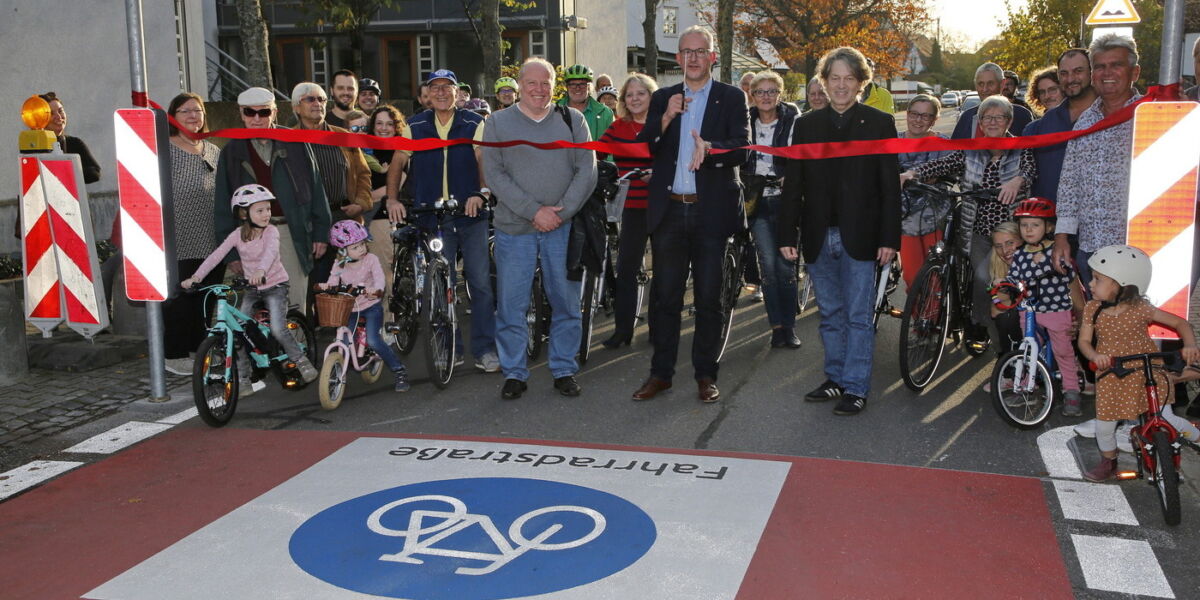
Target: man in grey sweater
(538, 192)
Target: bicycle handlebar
(237, 284)
(351, 290)
(1173, 363)
(633, 173)
(979, 194)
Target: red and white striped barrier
(61, 270)
(138, 182)
(1162, 199)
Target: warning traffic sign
(1113, 12)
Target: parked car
(949, 99)
(971, 101)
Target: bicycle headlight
(436, 244)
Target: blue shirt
(1050, 158)
(689, 119)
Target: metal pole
(1172, 42)
(137, 77)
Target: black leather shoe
(788, 339)
(617, 340)
(513, 388)
(567, 386)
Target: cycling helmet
(608, 89)
(577, 72)
(507, 82)
(249, 194)
(478, 104)
(366, 83)
(347, 233)
(1126, 265)
(1035, 207)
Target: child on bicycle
(1119, 316)
(1051, 292)
(257, 243)
(355, 267)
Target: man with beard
(344, 94)
(1075, 80)
(1009, 86)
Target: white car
(949, 99)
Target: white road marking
(1059, 460)
(118, 437)
(1123, 566)
(180, 417)
(1099, 502)
(27, 476)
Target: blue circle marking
(479, 539)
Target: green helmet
(506, 82)
(577, 72)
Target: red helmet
(1035, 207)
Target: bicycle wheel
(439, 348)
(333, 380)
(882, 274)
(403, 304)
(297, 325)
(534, 320)
(588, 301)
(371, 374)
(731, 286)
(1166, 478)
(1024, 403)
(643, 287)
(924, 325)
(214, 392)
(804, 286)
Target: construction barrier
(140, 137)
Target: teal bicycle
(215, 371)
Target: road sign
(1113, 12)
(141, 186)
(1162, 199)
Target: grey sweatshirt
(525, 178)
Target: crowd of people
(269, 210)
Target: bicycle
(804, 285)
(1025, 381)
(731, 283)
(939, 303)
(349, 349)
(887, 279)
(215, 388)
(422, 290)
(1156, 444)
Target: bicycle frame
(232, 321)
(346, 342)
(1031, 350)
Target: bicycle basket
(614, 208)
(333, 310)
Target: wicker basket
(333, 310)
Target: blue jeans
(275, 299)
(374, 316)
(778, 273)
(472, 236)
(844, 289)
(516, 259)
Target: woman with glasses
(1013, 171)
(920, 228)
(193, 182)
(1044, 91)
(815, 96)
(385, 121)
(771, 125)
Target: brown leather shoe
(651, 388)
(708, 390)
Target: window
(670, 20)
(537, 43)
(424, 55)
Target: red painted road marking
(839, 529)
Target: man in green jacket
(578, 79)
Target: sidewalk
(73, 381)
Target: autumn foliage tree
(803, 30)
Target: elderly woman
(920, 226)
(816, 96)
(1044, 92)
(1013, 171)
(193, 183)
(770, 123)
(633, 102)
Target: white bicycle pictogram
(458, 519)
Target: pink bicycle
(348, 350)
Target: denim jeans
(275, 298)
(374, 316)
(517, 257)
(778, 273)
(472, 238)
(845, 299)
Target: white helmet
(1126, 265)
(249, 194)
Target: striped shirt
(331, 164)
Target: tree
(349, 17)
(488, 33)
(803, 30)
(725, 38)
(650, 35)
(253, 29)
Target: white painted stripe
(180, 417)
(117, 438)
(1164, 163)
(27, 476)
(63, 202)
(1098, 502)
(1060, 462)
(41, 278)
(1123, 566)
(137, 158)
(33, 204)
(145, 255)
(1170, 278)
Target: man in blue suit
(695, 204)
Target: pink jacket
(366, 272)
(260, 254)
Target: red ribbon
(640, 150)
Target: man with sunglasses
(578, 79)
(288, 169)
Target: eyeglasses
(993, 118)
(694, 52)
(311, 99)
(1042, 92)
(358, 128)
(761, 93)
(917, 116)
(577, 84)
(445, 87)
(190, 111)
(252, 112)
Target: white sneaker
(1123, 437)
(178, 366)
(1087, 429)
(488, 363)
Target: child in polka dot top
(1051, 292)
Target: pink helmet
(347, 233)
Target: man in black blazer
(695, 204)
(847, 212)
